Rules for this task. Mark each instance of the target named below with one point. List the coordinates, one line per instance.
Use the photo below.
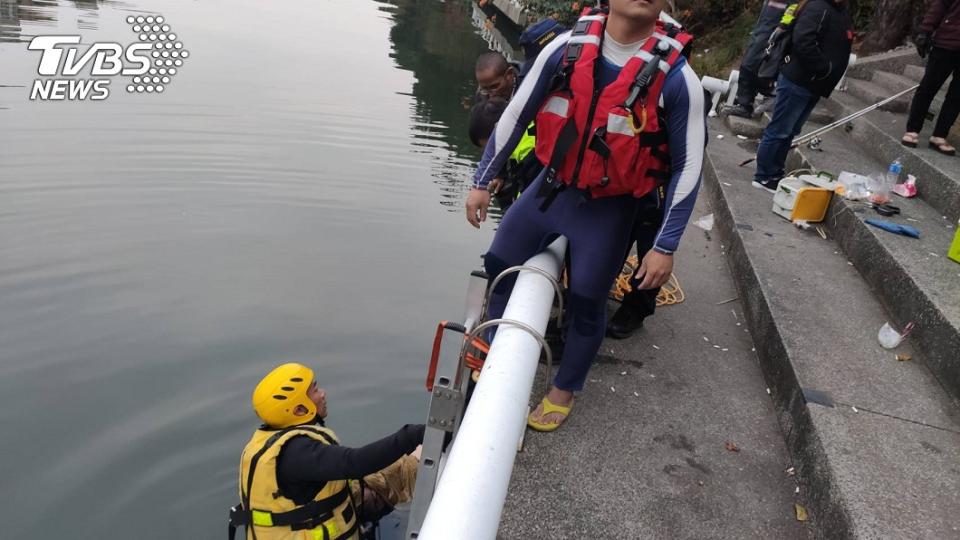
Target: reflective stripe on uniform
(558, 106)
(669, 41)
(584, 39)
(619, 124)
(647, 57)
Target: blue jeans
(791, 110)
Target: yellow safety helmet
(278, 394)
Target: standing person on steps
(749, 84)
(940, 38)
(821, 40)
(618, 113)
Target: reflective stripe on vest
(525, 146)
(605, 143)
(269, 515)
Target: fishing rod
(820, 131)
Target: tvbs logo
(150, 63)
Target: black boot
(743, 111)
(624, 322)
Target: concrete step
(878, 133)
(913, 72)
(871, 92)
(893, 61)
(897, 83)
(912, 277)
(892, 82)
(875, 441)
(752, 128)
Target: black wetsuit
(305, 464)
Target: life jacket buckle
(580, 28)
(573, 53)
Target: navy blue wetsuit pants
(598, 231)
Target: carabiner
(643, 120)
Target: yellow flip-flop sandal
(549, 407)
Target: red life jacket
(609, 142)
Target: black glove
(923, 43)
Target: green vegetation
(565, 11)
(719, 50)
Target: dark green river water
(293, 194)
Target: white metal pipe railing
(473, 485)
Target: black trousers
(942, 64)
(748, 85)
(645, 228)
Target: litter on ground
(705, 223)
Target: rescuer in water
(296, 481)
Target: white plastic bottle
(894, 172)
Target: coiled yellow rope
(671, 293)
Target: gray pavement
(644, 453)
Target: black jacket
(820, 50)
(305, 464)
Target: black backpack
(778, 48)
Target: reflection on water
(159, 253)
(441, 62)
(41, 14)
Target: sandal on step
(548, 408)
(910, 139)
(944, 148)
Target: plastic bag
(852, 186)
(889, 337)
(879, 186)
(907, 189)
(705, 223)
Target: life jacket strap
(309, 516)
(550, 191)
(661, 176)
(653, 138)
(641, 83)
(660, 154)
(568, 135)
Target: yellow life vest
(268, 515)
